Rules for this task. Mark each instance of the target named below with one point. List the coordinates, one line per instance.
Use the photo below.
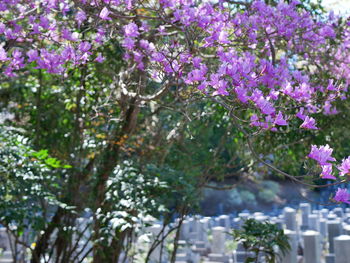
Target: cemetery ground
(313, 236)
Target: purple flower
(17, 60)
(327, 31)
(44, 22)
(50, 61)
(129, 4)
(10, 34)
(156, 56)
(32, 55)
(345, 167)
(300, 114)
(265, 106)
(241, 94)
(99, 58)
(146, 45)
(197, 74)
(219, 84)
(331, 85)
(327, 172)
(203, 85)
(3, 54)
(309, 123)
(342, 195)
(104, 15)
(128, 43)
(80, 17)
(280, 120)
(254, 120)
(68, 53)
(84, 46)
(322, 154)
(328, 110)
(223, 37)
(131, 30)
(196, 62)
(68, 35)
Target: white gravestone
(312, 247)
(342, 249)
(305, 212)
(292, 255)
(334, 230)
(290, 218)
(219, 238)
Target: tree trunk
(109, 162)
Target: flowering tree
(272, 67)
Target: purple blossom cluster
(250, 56)
(323, 155)
(342, 196)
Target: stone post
(314, 222)
(305, 212)
(290, 218)
(219, 238)
(292, 255)
(334, 230)
(342, 249)
(312, 247)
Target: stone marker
(339, 212)
(312, 249)
(314, 222)
(155, 255)
(323, 228)
(237, 223)
(324, 212)
(342, 249)
(332, 216)
(224, 221)
(244, 216)
(305, 212)
(203, 232)
(290, 218)
(292, 255)
(6, 257)
(330, 258)
(334, 230)
(346, 229)
(4, 240)
(219, 238)
(184, 230)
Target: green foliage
(262, 238)
(132, 199)
(28, 182)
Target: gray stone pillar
(312, 247)
(342, 249)
(314, 222)
(292, 255)
(290, 218)
(305, 212)
(323, 228)
(334, 230)
(219, 238)
(339, 212)
(155, 255)
(203, 234)
(224, 221)
(185, 230)
(324, 212)
(346, 229)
